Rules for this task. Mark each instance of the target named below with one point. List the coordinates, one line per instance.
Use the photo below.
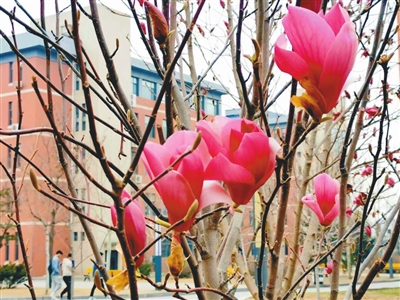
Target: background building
(140, 82)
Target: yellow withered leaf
(120, 281)
(176, 260)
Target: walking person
(56, 282)
(94, 285)
(67, 275)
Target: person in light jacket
(56, 275)
(67, 275)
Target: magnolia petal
(290, 62)
(333, 214)
(338, 64)
(326, 190)
(221, 168)
(241, 193)
(309, 201)
(155, 159)
(314, 5)
(310, 36)
(213, 193)
(192, 169)
(336, 18)
(253, 154)
(181, 141)
(177, 198)
(211, 134)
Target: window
(9, 158)
(164, 128)
(83, 209)
(152, 132)
(75, 236)
(83, 194)
(16, 247)
(76, 119)
(83, 118)
(165, 247)
(210, 106)
(135, 87)
(10, 113)
(148, 211)
(148, 89)
(82, 236)
(11, 72)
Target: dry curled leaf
(120, 281)
(176, 260)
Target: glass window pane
(134, 85)
(152, 132)
(148, 90)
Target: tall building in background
(140, 83)
(42, 221)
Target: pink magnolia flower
(324, 51)
(368, 231)
(135, 226)
(359, 200)
(390, 182)
(326, 207)
(222, 3)
(243, 156)
(372, 111)
(329, 267)
(367, 171)
(314, 5)
(349, 212)
(185, 183)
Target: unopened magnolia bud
(368, 246)
(279, 133)
(34, 180)
(192, 210)
(117, 43)
(158, 22)
(385, 58)
(353, 247)
(196, 142)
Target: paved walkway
(82, 288)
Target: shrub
(11, 275)
(145, 268)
